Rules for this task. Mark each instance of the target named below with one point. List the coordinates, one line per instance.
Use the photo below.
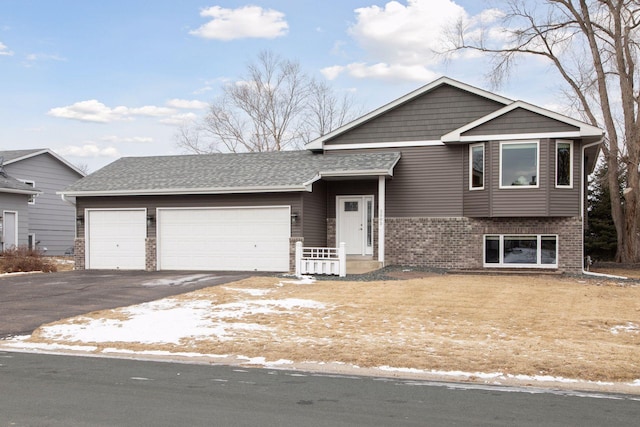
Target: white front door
(9, 230)
(355, 224)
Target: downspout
(582, 209)
(64, 199)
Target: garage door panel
(116, 239)
(244, 239)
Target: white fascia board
(317, 144)
(396, 144)
(518, 136)
(584, 128)
(369, 172)
(16, 191)
(180, 191)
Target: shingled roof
(228, 172)
(9, 184)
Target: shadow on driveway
(30, 300)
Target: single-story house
(14, 210)
(448, 176)
(51, 225)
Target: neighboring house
(448, 176)
(14, 210)
(51, 221)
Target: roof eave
(318, 143)
(16, 191)
(52, 153)
(185, 191)
(584, 130)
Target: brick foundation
(455, 243)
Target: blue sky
(97, 80)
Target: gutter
(169, 192)
(63, 196)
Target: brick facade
(292, 252)
(78, 253)
(457, 243)
(150, 259)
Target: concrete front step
(359, 266)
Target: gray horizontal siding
(17, 203)
(427, 117)
(314, 216)
(519, 121)
(427, 182)
(476, 202)
(223, 200)
(564, 201)
(51, 219)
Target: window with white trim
(537, 250)
(564, 164)
(476, 166)
(519, 164)
(32, 198)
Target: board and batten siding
(51, 219)
(520, 121)
(425, 118)
(191, 201)
(314, 216)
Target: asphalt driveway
(30, 300)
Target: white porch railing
(331, 261)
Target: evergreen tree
(600, 239)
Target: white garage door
(240, 239)
(116, 239)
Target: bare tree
(593, 45)
(275, 106)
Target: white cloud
(187, 104)
(381, 70)
(332, 72)
(88, 150)
(134, 139)
(4, 50)
(95, 111)
(180, 119)
(403, 38)
(406, 34)
(241, 23)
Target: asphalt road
(30, 300)
(46, 390)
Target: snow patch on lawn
(495, 376)
(252, 292)
(169, 321)
(180, 280)
(629, 327)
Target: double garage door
(237, 239)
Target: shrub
(24, 259)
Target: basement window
(521, 251)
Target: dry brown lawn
(531, 325)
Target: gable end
(520, 121)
